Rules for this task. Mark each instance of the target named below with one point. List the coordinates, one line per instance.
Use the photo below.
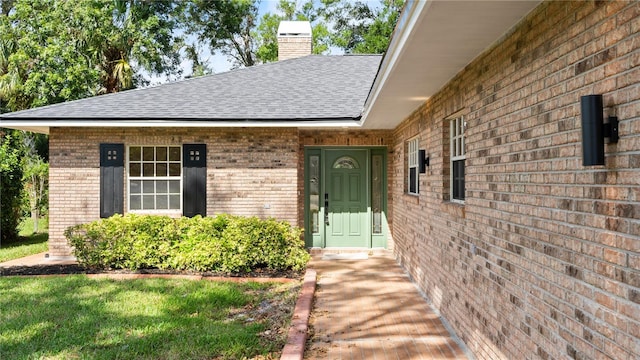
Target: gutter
(42, 126)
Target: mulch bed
(78, 269)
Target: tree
(134, 32)
(232, 27)
(11, 153)
(6, 6)
(198, 67)
(53, 51)
(35, 177)
(226, 25)
(267, 30)
(357, 27)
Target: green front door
(346, 199)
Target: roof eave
(434, 41)
(43, 125)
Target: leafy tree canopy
(53, 51)
(232, 27)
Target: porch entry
(345, 191)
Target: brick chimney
(294, 39)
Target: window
(346, 162)
(314, 193)
(412, 165)
(154, 180)
(377, 174)
(458, 157)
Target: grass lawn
(74, 317)
(28, 243)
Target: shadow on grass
(38, 238)
(77, 317)
(23, 246)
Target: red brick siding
(248, 170)
(542, 261)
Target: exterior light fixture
(594, 130)
(423, 161)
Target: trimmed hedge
(224, 243)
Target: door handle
(326, 208)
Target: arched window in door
(346, 162)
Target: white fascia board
(42, 126)
(414, 11)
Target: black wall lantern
(594, 130)
(423, 161)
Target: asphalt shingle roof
(308, 88)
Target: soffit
(436, 41)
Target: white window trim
(413, 145)
(170, 212)
(457, 148)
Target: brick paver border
(296, 340)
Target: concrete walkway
(369, 309)
(38, 259)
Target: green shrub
(224, 243)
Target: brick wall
(250, 172)
(543, 259)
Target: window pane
(135, 202)
(174, 187)
(314, 192)
(147, 170)
(413, 183)
(161, 187)
(161, 169)
(134, 169)
(174, 169)
(458, 180)
(148, 202)
(148, 186)
(161, 154)
(376, 188)
(174, 201)
(346, 162)
(162, 202)
(174, 154)
(135, 187)
(147, 154)
(134, 153)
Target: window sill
(169, 213)
(453, 208)
(411, 198)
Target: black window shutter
(111, 179)
(194, 185)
